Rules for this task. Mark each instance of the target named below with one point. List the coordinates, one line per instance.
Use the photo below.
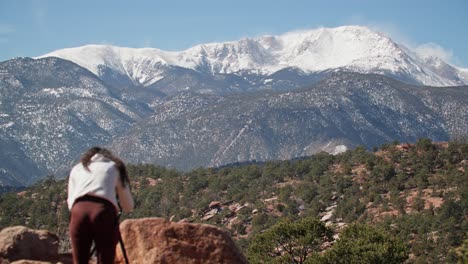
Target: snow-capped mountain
(188, 109)
(347, 48)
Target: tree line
(417, 193)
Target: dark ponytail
(86, 160)
(86, 157)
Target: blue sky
(34, 27)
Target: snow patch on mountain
(339, 149)
(463, 74)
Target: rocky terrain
(416, 192)
(149, 240)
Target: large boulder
(22, 243)
(156, 240)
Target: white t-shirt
(101, 180)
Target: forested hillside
(417, 193)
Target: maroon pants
(93, 219)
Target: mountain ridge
(345, 109)
(351, 48)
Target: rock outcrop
(146, 240)
(22, 243)
(156, 240)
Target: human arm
(125, 196)
(71, 191)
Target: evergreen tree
(289, 242)
(361, 243)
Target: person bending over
(94, 186)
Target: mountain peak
(354, 48)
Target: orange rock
(214, 204)
(156, 240)
(22, 243)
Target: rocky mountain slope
(50, 110)
(347, 109)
